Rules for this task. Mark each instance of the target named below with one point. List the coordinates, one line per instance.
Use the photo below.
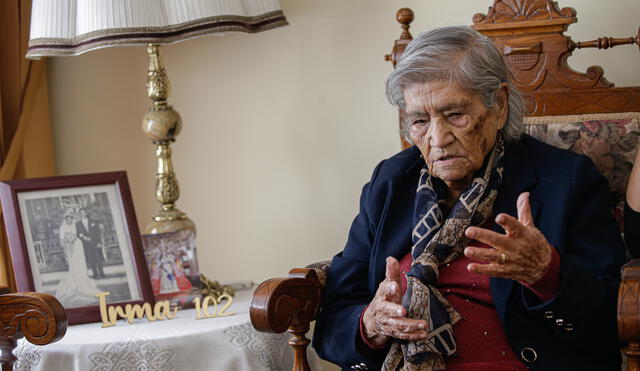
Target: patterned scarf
(438, 241)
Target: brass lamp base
(166, 224)
(169, 220)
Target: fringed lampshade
(73, 27)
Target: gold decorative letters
(202, 306)
(110, 315)
(162, 309)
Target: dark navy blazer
(576, 330)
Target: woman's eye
(420, 122)
(454, 115)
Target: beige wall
(282, 128)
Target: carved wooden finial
(404, 16)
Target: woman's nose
(440, 134)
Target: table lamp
(73, 27)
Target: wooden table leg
(7, 358)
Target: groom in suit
(89, 234)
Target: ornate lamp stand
(162, 125)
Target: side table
(184, 343)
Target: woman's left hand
(522, 254)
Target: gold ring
(503, 258)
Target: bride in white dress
(76, 288)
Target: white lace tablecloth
(183, 343)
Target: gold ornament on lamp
(73, 27)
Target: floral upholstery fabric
(610, 140)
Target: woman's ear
(502, 103)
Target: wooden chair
(530, 35)
(40, 318)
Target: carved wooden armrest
(629, 313)
(40, 318)
(291, 303)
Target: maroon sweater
(481, 341)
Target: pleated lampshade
(73, 27)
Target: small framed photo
(173, 266)
(76, 236)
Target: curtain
(26, 145)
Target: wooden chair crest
(530, 35)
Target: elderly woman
(478, 248)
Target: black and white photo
(74, 237)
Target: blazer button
(549, 314)
(559, 322)
(528, 355)
(568, 327)
(360, 366)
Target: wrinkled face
(452, 128)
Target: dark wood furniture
(530, 35)
(40, 318)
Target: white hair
(465, 58)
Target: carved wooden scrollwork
(520, 10)
(530, 36)
(40, 318)
(282, 304)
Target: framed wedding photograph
(76, 236)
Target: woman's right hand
(385, 317)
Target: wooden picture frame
(74, 236)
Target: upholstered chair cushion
(610, 140)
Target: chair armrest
(281, 303)
(629, 313)
(291, 303)
(39, 317)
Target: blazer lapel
(395, 225)
(518, 177)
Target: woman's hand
(385, 318)
(522, 254)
